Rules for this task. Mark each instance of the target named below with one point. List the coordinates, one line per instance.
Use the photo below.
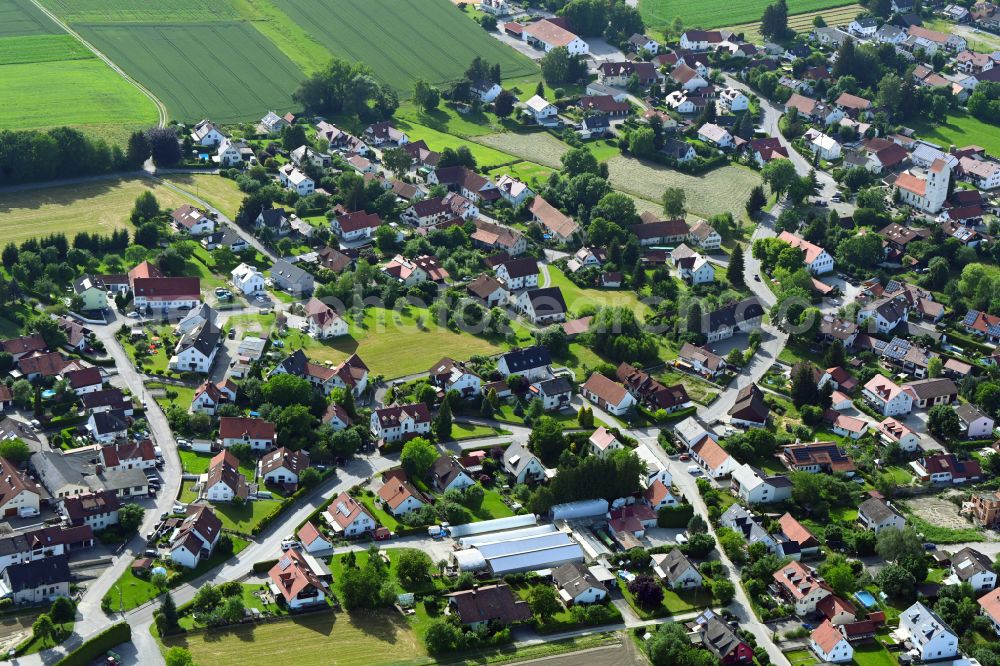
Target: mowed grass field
(138, 11)
(373, 639)
(804, 22)
(51, 79)
(404, 41)
(226, 71)
(961, 130)
(720, 13)
(92, 207)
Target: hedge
(261, 567)
(98, 646)
(674, 516)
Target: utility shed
(593, 508)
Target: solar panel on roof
(285, 562)
(970, 317)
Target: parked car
(694, 470)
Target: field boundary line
(161, 109)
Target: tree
(138, 150)
(578, 161)
(43, 628)
(442, 636)
(546, 439)
(442, 424)
(779, 175)
(425, 95)
(417, 457)
(397, 160)
(803, 389)
(309, 477)
(674, 202)
(890, 94)
(49, 329)
(366, 587)
(734, 271)
(642, 142)
(503, 105)
(894, 545)
(293, 136)
(164, 147)
(943, 422)
(560, 66)
(178, 656)
(413, 567)
(723, 591)
(934, 367)
(62, 610)
(206, 598)
(895, 581)
(284, 389)
(146, 208)
(543, 602)
(233, 609)
(647, 592)
(588, 18)
(130, 517)
(15, 450)
(838, 574)
(774, 23)
(756, 201)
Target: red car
(685, 457)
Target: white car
(133, 315)
(285, 545)
(694, 470)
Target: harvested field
(93, 207)
(718, 191)
(539, 147)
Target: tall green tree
(734, 271)
(442, 424)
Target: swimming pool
(866, 598)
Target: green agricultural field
(225, 71)
(961, 129)
(131, 11)
(485, 156)
(94, 207)
(404, 41)
(803, 22)
(719, 13)
(86, 94)
(20, 17)
(41, 48)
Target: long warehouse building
(509, 552)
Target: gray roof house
(291, 278)
(522, 464)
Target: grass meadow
(719, 13)
(403, 41)
(51, 79)
(960, 129)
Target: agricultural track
(161, 109)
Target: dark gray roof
(205, 339)
(527, 359)
(733, 314)
(555, 386)
(675, 564)
(289, 272)
(30, 575)
(876, 510)
(547, 302)
(575, 579)
(113, 420)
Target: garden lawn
(361, 558)
(578, 297)
(361, 639)
(99, 207)
(244, 518)
(382, 517)
(136, 591)
(697, 388)
(943, 535)
(527, 172)
(460, 431)
(872, 654)
(448, 120)
(961, 129)
(801, 658)
(232, 72)
(185, 394)
(62, 632)
(194, 462)
(404, 41)
(719, 13)
(673, 603)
